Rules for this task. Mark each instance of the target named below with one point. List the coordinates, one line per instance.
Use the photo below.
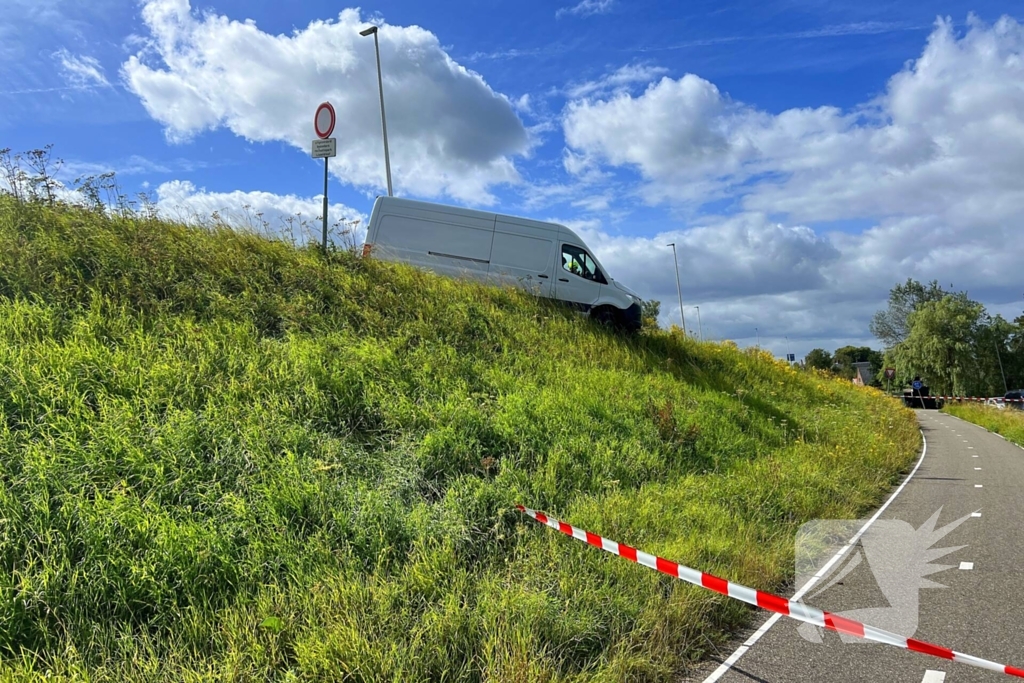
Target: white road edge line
(752, 640)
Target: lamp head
(369, 31)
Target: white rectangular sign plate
(325, 148)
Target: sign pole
(325, 205)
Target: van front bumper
(631, 318)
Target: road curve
(967, 470)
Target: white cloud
(740, 256)
(859, 28)
(449, 133)
(587, 8)
(593, 203)
(514, 53)
(523, 104)
(951, 120)
(290, 215)
(618, 80)
(81, 71)
(931, 167)
(133, 165)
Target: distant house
(864, 376)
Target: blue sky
(807, 154)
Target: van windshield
(578, 262)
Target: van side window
(578, 262)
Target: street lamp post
(679, 289)
(383, 120)
(1000, 357)
(700, 327)
(758, 337)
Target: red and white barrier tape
(774, 603)
(978, 398)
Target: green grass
(227, 458)
(1008, 422)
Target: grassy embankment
(223, 457)
(1008, 422)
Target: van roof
(447, 208)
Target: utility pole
(679, 289)
(700, 327)
(1006, 389)
(758, 337)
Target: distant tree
(892, 324)
(819, 358)
(1000, 353)
(1015, 345)
(990, 346)
(942, 345)
(649, 312)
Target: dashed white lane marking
(978, 486)
(975, 514)
(974, 456)
(931, 676)
(970, 448)
(752, 640)
(966, 565)
(977, 469)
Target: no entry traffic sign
(323, 122)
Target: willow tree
(941, 345)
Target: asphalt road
(980, 611)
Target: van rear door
(522, 256)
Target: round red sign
(323, 122)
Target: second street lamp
(679, 289)
(380, 86)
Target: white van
(547, 259)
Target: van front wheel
(605, 317)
